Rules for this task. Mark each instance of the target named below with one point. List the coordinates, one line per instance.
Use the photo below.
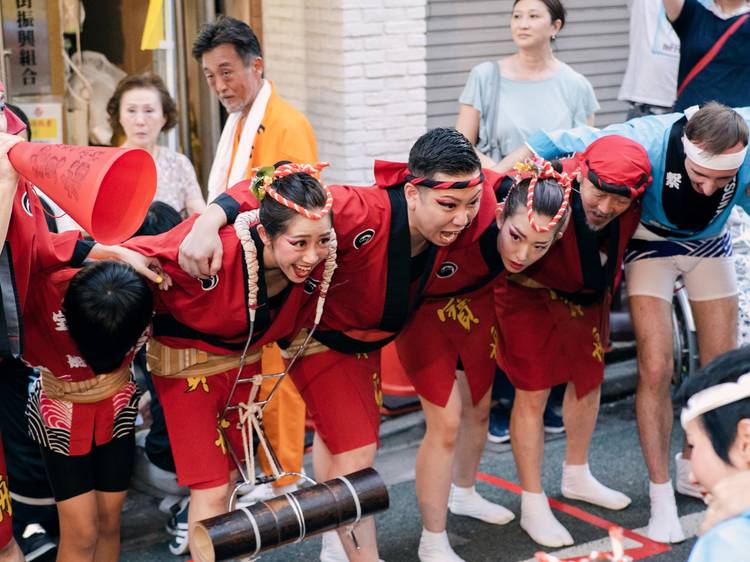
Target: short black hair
(443, 151)
(160, 218)
(107, 307)
(721, 423)
(300, 188)
(227, 30)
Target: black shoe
(37, 545)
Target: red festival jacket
(372, 294)
(212, 314)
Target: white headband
(715, 397)
(713, 161)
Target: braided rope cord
(534, 170)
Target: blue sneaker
(499, 430)
(177, 526)
(553, 423)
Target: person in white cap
(700, 171)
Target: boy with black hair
(82, 329)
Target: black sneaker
(36, 544)
(177, 526)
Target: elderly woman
(139, 110)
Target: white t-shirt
(651, 75)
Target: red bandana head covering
(388, 174)
(616, 164)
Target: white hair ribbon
(715, 397)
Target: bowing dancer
(391, 236)
(701, 172)
(82, 329)
(553, 324)
(276, 267)
(456, 326)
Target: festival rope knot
(535, 170)
(262, 185)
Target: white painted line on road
(690, 524)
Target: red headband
(264, 180)
(436, 184)
(534, 170)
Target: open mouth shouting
(448, 236)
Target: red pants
(193, 409)
(439, 334)
(342, 394)
(545, 340)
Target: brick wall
(357, 69)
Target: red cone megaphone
(106, 190)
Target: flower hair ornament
(535, 170)
(262, 185)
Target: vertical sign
(25, 36)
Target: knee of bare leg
(109, 524)
(530, 403)
(655, 372)
(352, 461)
(443, 431)
(85, 537)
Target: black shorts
(106, 468)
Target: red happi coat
(60, 425)
(372, 294)
(552, 335)
(212, 315)
(457, 318)
(31, 246)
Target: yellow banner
(153, 30)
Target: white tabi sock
(468, 502)
(664, 522)
(435, 547)
(537, 520)
(579, 484)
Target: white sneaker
(684, 485)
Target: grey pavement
(615, 459)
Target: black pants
(32, 497)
